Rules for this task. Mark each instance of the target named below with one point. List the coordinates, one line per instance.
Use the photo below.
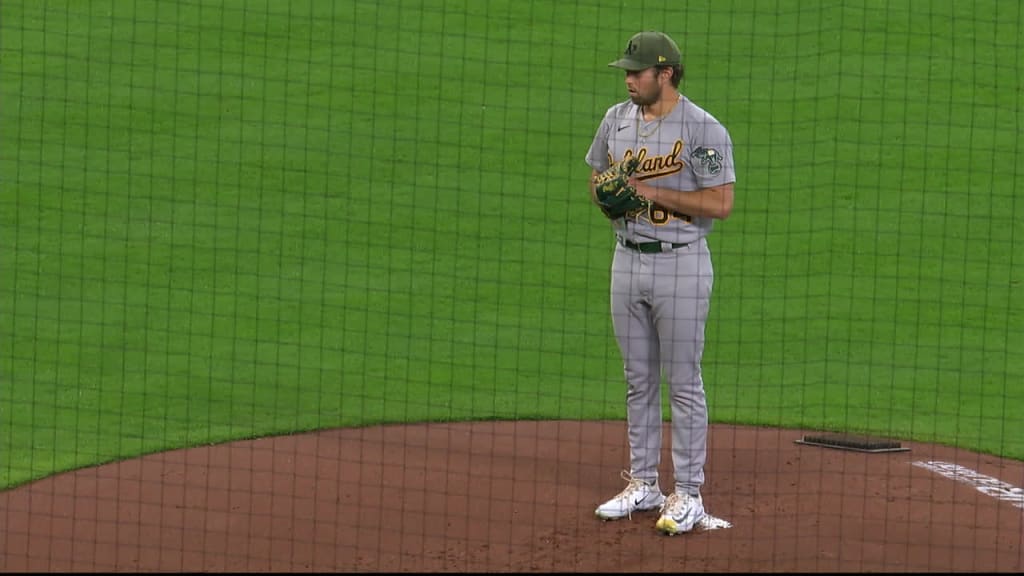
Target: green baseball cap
(647, 49)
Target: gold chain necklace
(640, 120)
(651, 133)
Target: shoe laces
(633, 485)
(675, 503)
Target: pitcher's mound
(514, 496)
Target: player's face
(644, 86)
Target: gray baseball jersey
(686, 150)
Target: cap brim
(629, 64)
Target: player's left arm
(710, 160)
(711, 202)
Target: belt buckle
(666, 246)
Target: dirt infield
(513, 496)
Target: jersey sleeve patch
(706, 161)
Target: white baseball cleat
(638, 495)
(680, 513)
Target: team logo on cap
(631, 48)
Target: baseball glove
(614, 194)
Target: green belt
(651, 247)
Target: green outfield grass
(236, 219)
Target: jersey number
(659, 216)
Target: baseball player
(662, 173)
